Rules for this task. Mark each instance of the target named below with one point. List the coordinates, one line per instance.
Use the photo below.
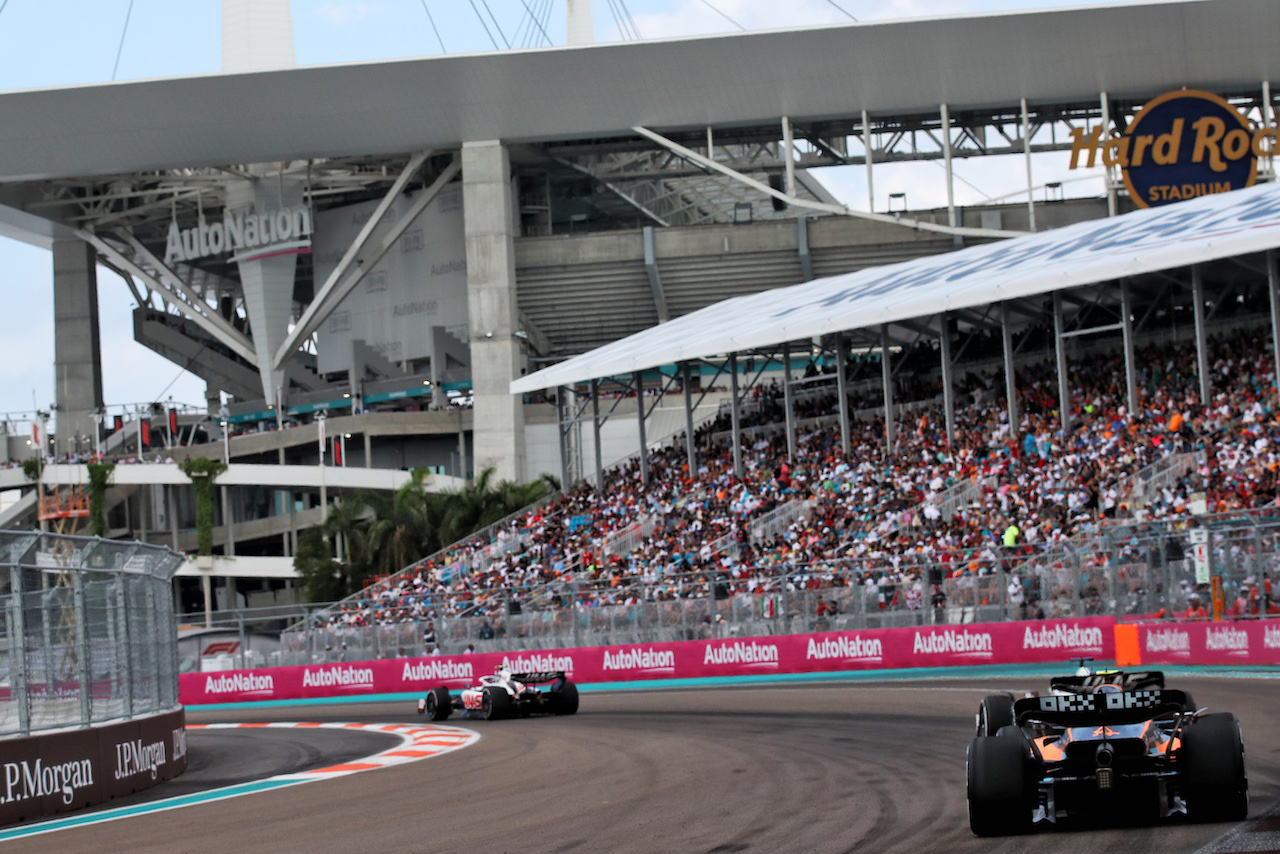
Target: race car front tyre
(996, 711)
(565, 701)
(495, 704)
(1000, 796)
(438, 705)
(1211, 767)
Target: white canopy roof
(1145, 241)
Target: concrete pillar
(77, 353)
(489, 217)
(268, 282)
(229, 547)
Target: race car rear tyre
(1211, 766)
(1000, 795)
(565, 700)
(495, 704)
(439, 705)
(996, 711)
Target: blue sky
(69, 42)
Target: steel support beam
(1026, 152)
(789, 409)
(886, 373)
(1273, 288)
(1202, 344)
(948, 392)
(866, 143)
(1113, 201)
(842, 391)
(920, 225)
(1010, 381)
(691, 453)
(595, 434)
(320, 307)
(1130, 367)
(192, 305)
(340, 290)
(946, 165)
(1060, 356)
(644, 443)
(735, 418)
(788, 157)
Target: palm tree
(384, 535)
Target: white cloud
(345, 13)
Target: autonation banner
(1240, 642)
(872, 649)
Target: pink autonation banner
(871, 649)
(1237, 642)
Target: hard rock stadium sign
(1180, 145)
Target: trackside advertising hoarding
(872, 649)
(42, 775)
(1240, 642)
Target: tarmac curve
(876, 767)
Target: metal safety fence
(88, 631)
(1149, 571)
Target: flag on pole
(174, 436)
(144, 433)
(337, 450)
(320, 427)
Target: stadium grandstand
(748, 387)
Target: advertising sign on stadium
(249, 236)
(1181, 145)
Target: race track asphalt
(833, 768)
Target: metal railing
(631, 537)
(88, 631)
(1152, 479)
(1140, 571)
(778, 519)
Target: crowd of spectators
(874, 518)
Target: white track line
(417, 742)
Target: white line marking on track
(417, 742)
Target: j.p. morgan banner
(47, 774)
(1179, 146)
(925, 646)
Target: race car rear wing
(1116, 707)
(1128, 680)
(538, 677)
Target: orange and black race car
(1098, 744)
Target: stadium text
(237, 231)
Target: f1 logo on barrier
(222, 648)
